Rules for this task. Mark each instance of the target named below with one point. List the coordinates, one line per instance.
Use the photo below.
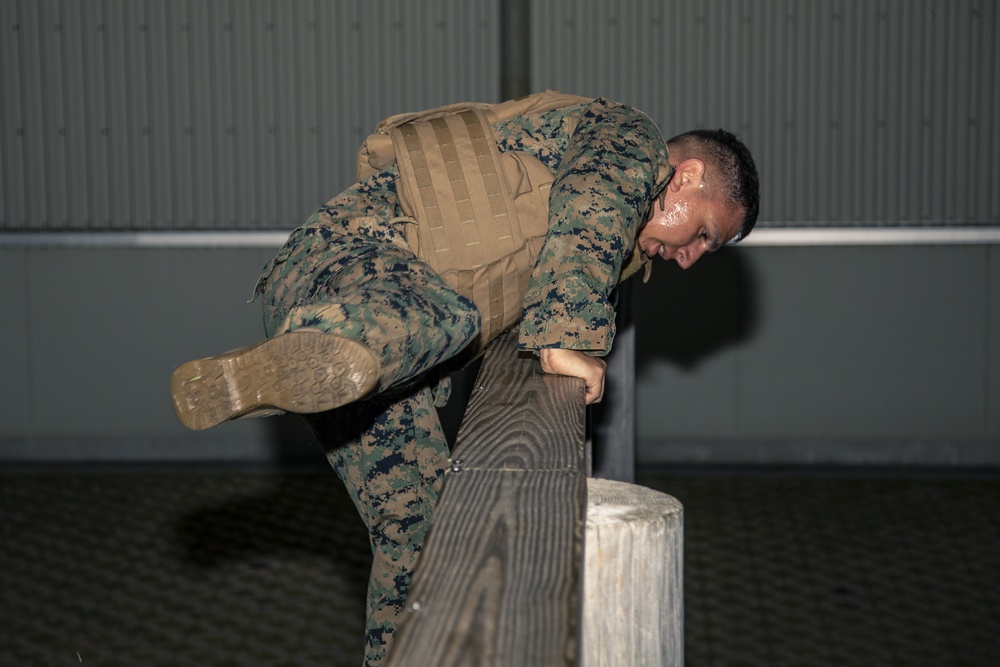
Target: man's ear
(690, 173)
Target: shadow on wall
(686, 316)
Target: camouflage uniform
(348, 271)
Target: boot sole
(301, 371)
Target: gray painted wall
(829, 354)
(760, 354)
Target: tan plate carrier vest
(479, 218)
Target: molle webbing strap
(456, 201)
(453, 183)
(377, 152)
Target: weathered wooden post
(633, 600)
(512, 575)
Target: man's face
(686, 226)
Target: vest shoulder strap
(376, 153)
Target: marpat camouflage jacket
(610, 162)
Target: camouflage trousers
(349, 272)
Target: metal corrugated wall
(215, 114)
(859, 112)
(222, 114)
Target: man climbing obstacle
(465, 221)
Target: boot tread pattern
(301, 371)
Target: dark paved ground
(221, 567)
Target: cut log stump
(633, 600)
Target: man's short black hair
(728, 157)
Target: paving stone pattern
(816, 570)
(222, 568)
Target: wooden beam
(499, 581)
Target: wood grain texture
(633, 601)
(499, 580)
(519, 418)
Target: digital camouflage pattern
(606, 158)
(348, 271)
(391, 454)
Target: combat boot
(304, 371)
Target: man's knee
(465, 321)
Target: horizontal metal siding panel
(859, 113)
(215, 114)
